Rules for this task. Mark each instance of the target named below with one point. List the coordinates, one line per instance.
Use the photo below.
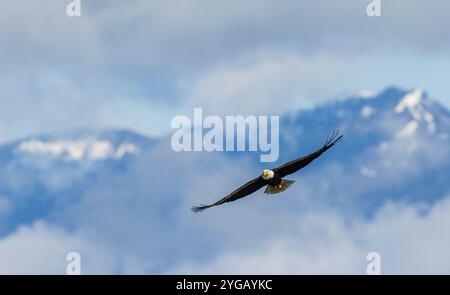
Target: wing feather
(243, 191)
(286, 169)
(295, 165)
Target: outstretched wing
(295, 165)
(245, 190)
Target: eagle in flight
(273, 179)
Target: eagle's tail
(333, 139)
(275, 189)
(200, 208)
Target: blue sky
(138, 64)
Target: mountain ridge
(380, 160)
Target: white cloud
(62, 72)
(129, 223)
(257, 56)
(42, 249)
(268, 83)
(38, 99)
(154, 31)
(410, 242)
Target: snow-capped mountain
(395, 148)
(39, 173)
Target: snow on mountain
(366, 94)
(78, 150)
(413, 102)
(79, 145)
(395, 147)
(40, 172)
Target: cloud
(37, 101)
(259, 56)
(268, 83)
(408, 240)
(143, 220)
(134, 221)
(64, 72)
(156, 32)
(42, 249)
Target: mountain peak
(411, 101)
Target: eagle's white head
(267, 174)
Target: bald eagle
(273, 179)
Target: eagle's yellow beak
(266, 173)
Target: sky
(138, 64)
